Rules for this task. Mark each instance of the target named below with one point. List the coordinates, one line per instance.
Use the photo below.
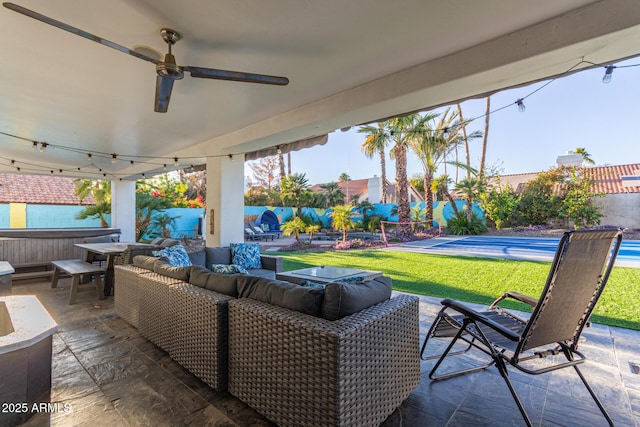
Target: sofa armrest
(270, 262)
(358, 369)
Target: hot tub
(26, 330)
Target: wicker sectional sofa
(271, 344)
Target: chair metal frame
(511, 340)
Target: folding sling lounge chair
(579, 272)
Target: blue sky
(573, 111)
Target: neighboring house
(39, 189)
(39, 201)
(620, 186)
(370, 189)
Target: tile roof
(607, 179)
(39, 189)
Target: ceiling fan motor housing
(169, 69)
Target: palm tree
(377, 139)
(485, 136)
(294, 226)
(342, 219)
(333, 194)
(470, 188)
(312, 229)
(100, 191)
(402, 131)
(295, 190)
(163, 222)
(429, 144)
(586, 157)
(440, 185)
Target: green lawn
(478, 280)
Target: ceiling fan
(167, 71)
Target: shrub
(461, 226)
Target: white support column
(225, 198)
(123, 209)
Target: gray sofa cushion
(343, 299)
(198, 258)
(222, 283)
(217, 256)
(157, 241)
(144, 261)
(166, 269)
(282, 294)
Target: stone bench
(76, 268)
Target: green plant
(578, 203)
(100, 191)
(460, 225)
(342, 219)
(312, 229)
(499, 204)
(294, 226)
(295, 190)
(372, 222)
(162, 223)
(538, 203)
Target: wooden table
(111, 250)
(325, 274)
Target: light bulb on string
(175, 162)
(608, 74)
(114, 158)
(131, 163)
(35, 145)
(445, 133)
(43, 147)
(89, 157)
(521, 107)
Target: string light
(114, 158)
(608, 74)
(131, 163)
(445, 131)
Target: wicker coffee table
(325, 274)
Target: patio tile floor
(109, 375)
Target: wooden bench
(76, 268)
(32, 270)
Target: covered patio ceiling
(348, 63)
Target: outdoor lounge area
(109, 374)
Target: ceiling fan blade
(211, 73)
(163, 94)
(76, 31)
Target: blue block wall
(58, 216)
(4, 215)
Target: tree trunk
(281, 161)
(428, 199)
(447, 195)
(404, 214)
(484, 137)
(383, 171)
(469, 208)
(466, 142)
(289, 163)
